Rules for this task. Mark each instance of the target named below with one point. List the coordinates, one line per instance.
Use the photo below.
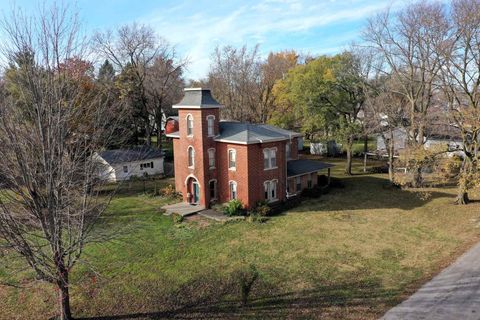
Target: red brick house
(216, 161)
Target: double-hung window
(270, 158)
(270, 190)
(211, 158)
(191, 157)
(211, 125)
(189, 125)
(232, 159)
(233, 190)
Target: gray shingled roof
(197, 97)
(304, 166)
(247, 133)
(129, 155)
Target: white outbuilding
(122, 164)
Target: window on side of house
(298, 181)
(270, 190)
(213, 189)
(233, 190)
(151, 164)
(288, 150)
(309, 181)
(189, 125)
(211, 125)
(211, 158)
(232, 159)
(191, 157)
(125, 169)
(269, 158)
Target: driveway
(453, 294)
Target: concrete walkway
(453, 294)
(182, 208)
(218, 216)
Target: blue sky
(196, 27)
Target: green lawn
(350, 254)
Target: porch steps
(182, 208)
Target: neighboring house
(123, 164)
(451, 141)
(216, 161)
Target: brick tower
(195, 148)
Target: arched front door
(194, 190)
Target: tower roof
(197, 98)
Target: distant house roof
(197, 98)
(304, 166)
(129, 155)
(247, 133)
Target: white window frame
(234, 153)
(192, 158)
(288, 150)
(215, 189)
(234, 184)
(211, 158)
(189, 118)
(268, 152)
(211, 128)
(269, 186)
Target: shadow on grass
(363, 192)
(343, 300)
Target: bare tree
(461, 86)
(139, 54)
(164, 87)
(407, 40)
(51, 126)
(234, 78)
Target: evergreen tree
(106, 72)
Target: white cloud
(197, 28)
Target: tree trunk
(462, 196)
(63, 290)
(365, 144)
(348, 168)
(148, 134)
(391, 150)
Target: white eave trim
(203, 106)
(172, 135)
(251, 142)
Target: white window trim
(270, 159)
(193, 157)
(186, 118)
(268, 184)
(214, 158)
(228, 159)
(211, 116)
(230, 189)
(288, 146)
(216, 189)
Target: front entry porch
(182, 208)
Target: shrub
(262, 209)
(168, 191)
(177, 218)
(233, 208)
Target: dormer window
(191, 157)
(211, 125)
(189, 125)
